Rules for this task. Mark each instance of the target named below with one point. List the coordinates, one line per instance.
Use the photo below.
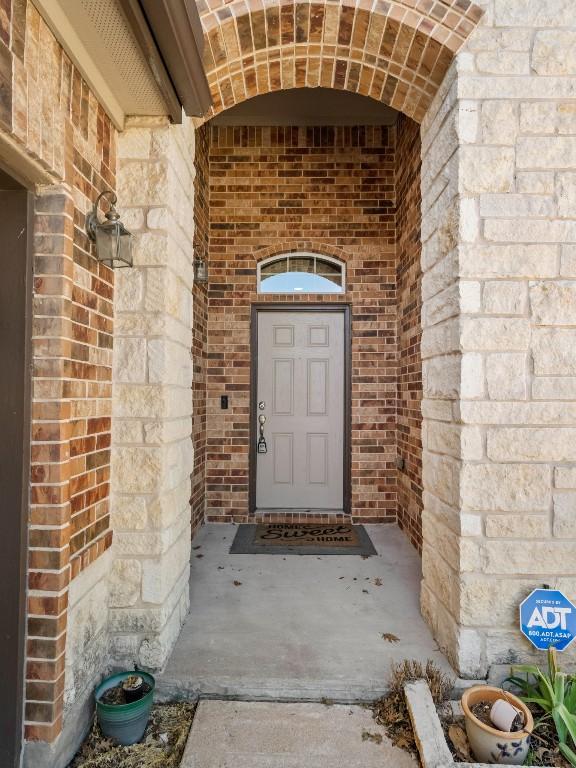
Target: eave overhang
(139, 58)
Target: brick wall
(53, 119)
(331, 190)
(200, 327)
(409, 416)
(397, 51)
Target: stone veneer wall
(152, 455)
(330, 190)
(499, 317)
(53, 130)
(408, 286)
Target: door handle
(262, 447)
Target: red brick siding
(48, 110)
(200, 329)
(329, 190)
(409, 330)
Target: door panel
(300, 382)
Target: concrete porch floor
(297, 628)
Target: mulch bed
(162, 745)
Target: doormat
(301, 539)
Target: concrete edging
(428, 732)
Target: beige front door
(300, 410)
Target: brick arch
(293, 246)
(394, 51)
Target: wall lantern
(200, 270)
(113, 241)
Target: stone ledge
(432, 746)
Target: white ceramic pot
(488, 744)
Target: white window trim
(302, 255)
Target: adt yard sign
(548, 619)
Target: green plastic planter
(124, 723)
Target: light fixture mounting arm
(92, 217)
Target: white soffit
(98, 39)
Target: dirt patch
(162, 745)
(117, 694)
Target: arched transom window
(301, 272)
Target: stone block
(538, 117)
(130, 360)
(142, 182)
(486, 169)
(565, 515)
(129, 513)
(512, 261)
(529, 413)
(541, 558)
(441, 377)
(554, 52)
(440, 476)
(495, 333)
(159, 575)
(506, 376)
(134, 143)
(518, 526)
(505, 297)
(553, 302)
(468, 121)
(565, 477)
(554, 388)
(505, 487)
(488, 601)
(501, 62)
(129, 288)
(568, 261)
(126, 431)
(546, 152)
(125, 582)
(530, 230)
(554, 351)
(471, 376)
(499, 122)
(516, 205)
(534, 13)
(535, 182)
(531, 444)
(566, 189)
(138, 470)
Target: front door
(300, 410)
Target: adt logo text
(548, 619)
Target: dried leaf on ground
(378, 582)
(237, 583)
(375, 737)
(161, 746)
(390, 638)
(459, 740)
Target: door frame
(16, 337)
(345, 310)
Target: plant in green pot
(123, 704)
(554, 694)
